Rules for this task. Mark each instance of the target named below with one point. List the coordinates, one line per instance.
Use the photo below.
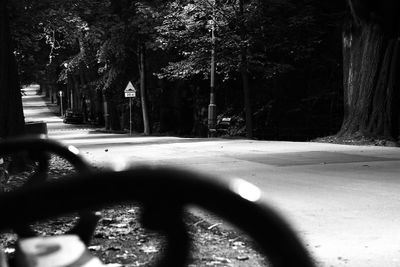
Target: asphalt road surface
(343, 201)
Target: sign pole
(130, 116)
(61, 103)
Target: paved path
(342, 200)
(38, 108)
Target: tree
(257, 43)
(244, 70)
(143, 88)
(371, 64)
(144, 23)
(11, 113)
(94, 47)
(192, 22)
(123, 54)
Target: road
(343, 201)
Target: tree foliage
(280, 34)
(95, 45)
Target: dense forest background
(278, 64)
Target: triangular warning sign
(130, 88)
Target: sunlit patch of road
(86, 140)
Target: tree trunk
(75, 93)
(143, 94)
(11, 113)
(371, 88)
(247, 101)
(244, 72)
(106, 111)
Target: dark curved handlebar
(40, 144)
(158, 188)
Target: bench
(175, 189)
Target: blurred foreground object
(55, 251)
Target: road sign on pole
(130, 91)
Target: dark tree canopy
(282, 51)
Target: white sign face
(130, 91)
(130, 94)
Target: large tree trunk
(244, 71)
(370, 64)
(11, 112)
(143, 93)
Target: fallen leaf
(149, 249)
(58, 232)
(214, 225)
(221, 259)
(242, 258)
(114, 248)
(119, 225)
(94, 248)
(238, 244)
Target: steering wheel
(174, 190)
